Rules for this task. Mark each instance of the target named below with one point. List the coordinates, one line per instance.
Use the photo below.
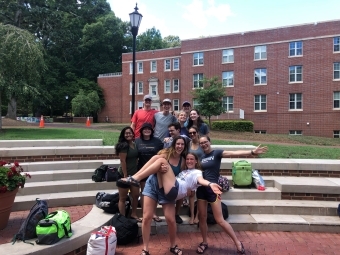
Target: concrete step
(61, 165)
(246, 193)
(50, 142)
(59, 175)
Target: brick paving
(16, 219)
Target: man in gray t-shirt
(163, 120)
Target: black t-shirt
(147, 149)
(211, 164)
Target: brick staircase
(300, 195)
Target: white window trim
(261, 103)
(292, 82)
(167, 92)
(336, 44)
(193, 81)
(336, 79)
(260, 53)
(228, 56)
(229, 111)
(167, 70)
(140, 63)
(140, 93)
(260, 84)
(173, 86)
(193, 59)
(295, 48)
(173, 64)
(174, 104)
(228, 86)
(151, 71)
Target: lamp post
(135, 19)
(66, 97)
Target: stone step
(51, 142)
(61, 165)
(58, 175)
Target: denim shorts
(153, 191)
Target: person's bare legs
(134, 204)
(192, 208)
(217, 212)
(148, 210)
(169, 213)
(142, 185)
(123, 193)
(202, 210)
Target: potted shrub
(11, 178)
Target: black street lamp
(135, 19)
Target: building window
(167, 86)
(336, 99)
(140, 67)
(175, 64)
(140, 104)
(195, 103)
(228, 103)
(260, 102)
(228, 56)
(167, 65)
(260, 52)
(131, 68)
(295, 101)
(336, 67)
(140, 87)
(228, 78)
(336, 134)
(153, 66)
(295, 49)
(295, 74)
(260, 76)
(176, 104)
(198, 80)
(260, 131)
(175, 85)
(130, 88)
(153, 90)
(336, 44)
(198, 59)
(295, 132)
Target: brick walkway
(16, 219)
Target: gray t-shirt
(161, 124)
(211, 164)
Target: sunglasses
(192, 133)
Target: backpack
(109, 202)
(27, 230)
(54, 227)
(111, 174)
(224, 183)
(99, 173)
(126, 228)
(242, 173)
(339, 210)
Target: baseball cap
(166, 100)
(147, 97)
(186, 102)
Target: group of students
(166, 175)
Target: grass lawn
(110, 137)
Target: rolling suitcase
(242, 173)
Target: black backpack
(111, 174)
(109, 202)
(339, 210)
(210, 215)
(126, 228)
(99, 173)
(27, 230)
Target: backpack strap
(67, 233)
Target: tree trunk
(12, 109)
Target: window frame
(173, 86)
(295, 50)
(336, 44)
(199, 58)
(228, 103)
(260, 76)
(296, 102)
(227, 58)
(258, 101)
(131, 65)
(167, 84)
(139, 67)
(167, 63)
(140, 86)
(262, 55)
(228, 79)
(295, 74)
(198, 81)
(336, 100)
(336, 71)
(173, 64)
(175, 103)
(151, 66)
(336, 133)
(295, 132)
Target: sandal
(202, 247)
(176, 250)
(242, 251)
(157, 219)
(144, 252)
(130, 181)
(137, 219)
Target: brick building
(286, 79)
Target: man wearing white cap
(141, 116)
(163, 119)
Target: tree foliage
(151, 39)
(209, 98)
(85, 105)
(172, 41)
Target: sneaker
(178, 219)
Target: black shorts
(120, 184)
(206, 193)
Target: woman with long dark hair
(195, 120)
(128, 155)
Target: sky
(190, 19)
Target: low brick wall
(310, 196)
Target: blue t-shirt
(211, 164)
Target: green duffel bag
(242, 173)
(54, 227)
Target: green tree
(85, 105)
(21, 64)
(171, 41)
(209, 98)
(151, 39)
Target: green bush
(233, 125)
